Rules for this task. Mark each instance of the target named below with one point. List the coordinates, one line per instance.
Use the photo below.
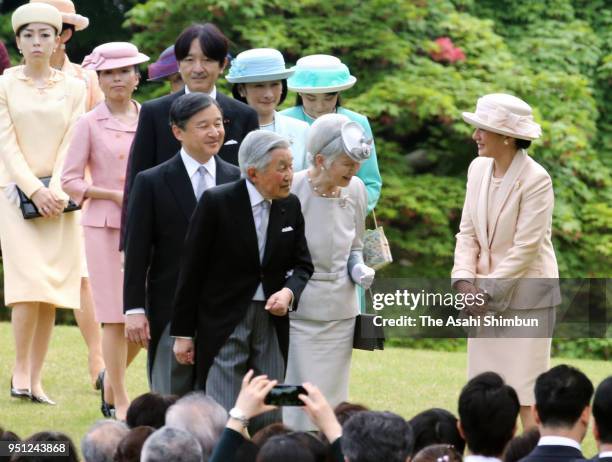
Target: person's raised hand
(253, 392)
(321, 413)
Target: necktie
(201, 182)
(264, 216)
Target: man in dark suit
(201, 51)
(602, 416)
(562, 412)
(245, 264)
(160, 206)
(488, 409)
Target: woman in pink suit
(101, 143)
(504, 249)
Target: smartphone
(286, 395)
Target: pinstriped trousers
(252, 345)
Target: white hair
(201, 416)
(255, 148)
(171, 444)
(101, 440)
(325, 138)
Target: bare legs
(32, 324)
(527, 418)
(90, 330)
(118, 355)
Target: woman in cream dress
(504, 249)
(334, 203)
(42, 256)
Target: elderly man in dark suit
(562, 412)
(201, 51)
(160, 206)
(244, 266)
(602, 417)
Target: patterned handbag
(376, 250)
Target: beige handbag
(376, 250)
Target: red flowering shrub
(446, 51)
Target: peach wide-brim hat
(113, 55)
(68, 12)
(504, 114)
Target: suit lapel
(482, 203)
(221, 176)
(508, 183)
(180, 185)
(243, 212)
(277, 210)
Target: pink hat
(113, 55)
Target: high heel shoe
(42, 399)
(100, 380)
(22, 393)
(108, 410)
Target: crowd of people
(198, 243)
(195, 428)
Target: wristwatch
(237, 414)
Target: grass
(401, 380)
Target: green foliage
(554, 53)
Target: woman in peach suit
(504, 249)
(101, 143)
(42, 256)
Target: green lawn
(404, 381)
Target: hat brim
(120, 62)
(328, 89)
(79, 22)
(161, 77)
(472, 119)
(260, 77)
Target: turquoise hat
(320, 74)
(258, 65)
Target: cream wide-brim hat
(506, 115)
(36, 12)
(68, 12)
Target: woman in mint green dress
(318, 80)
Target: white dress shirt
(212, 94)
(473, 458)
(258, 210)
(192, 166)
(559, 441)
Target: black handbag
(29, 210)
(367, 335)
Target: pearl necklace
(322, 194)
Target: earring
(506, 142)
(20, 52)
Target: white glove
(10, 192)
(363, 275)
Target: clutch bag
(29, 210)
(367, 335)
(376, 250)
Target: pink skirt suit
(100, 145)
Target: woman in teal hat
(318, 80)
(259, 79)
